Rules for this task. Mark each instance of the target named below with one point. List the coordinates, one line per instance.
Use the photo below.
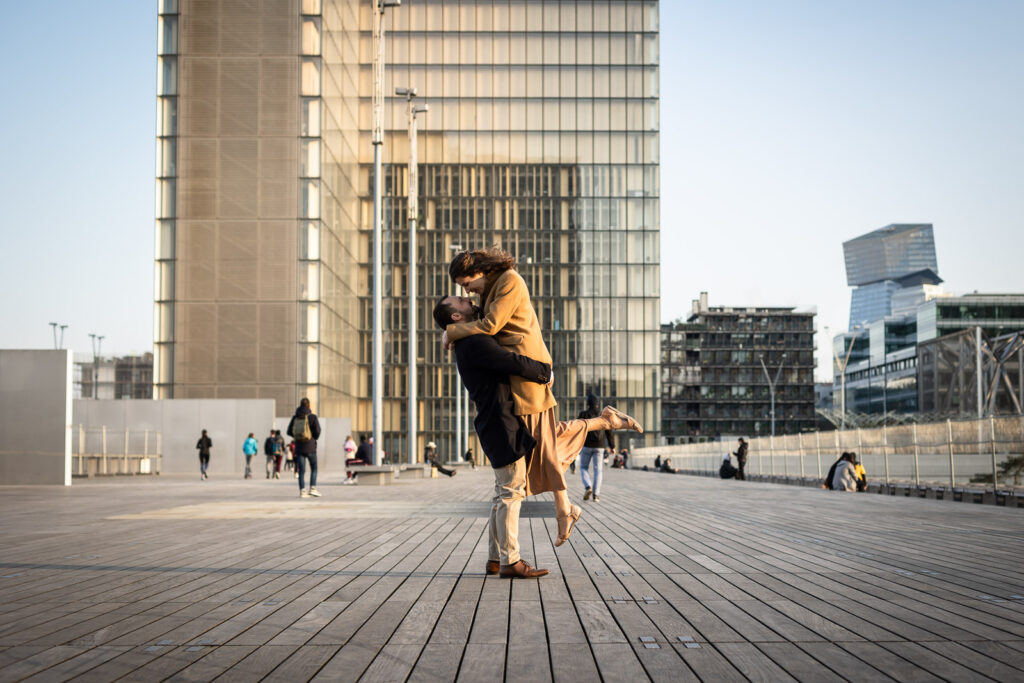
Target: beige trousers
(509, 492)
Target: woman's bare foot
(619, 420)
(566, 523)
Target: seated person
(430, 456)
(862, 476)
(667, 467)
(363, 456)
(727, 471)
(845, 477)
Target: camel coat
(508, 311)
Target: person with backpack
(204, 445)
(249, 448)
(304, 428)
(279, 455)
(827, 484)
(270, 451)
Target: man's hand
(445, 343)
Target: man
(430, 457)
(508, 314)
(204, 445)
(485, 369)
(305, 429)
(363, 456)
(741, 459)
(592, 453)
(281, 448)
(270, 451)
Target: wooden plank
(483, 662)
(843, 663)
(753, 663)
(440, 662)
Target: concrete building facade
(713, 382)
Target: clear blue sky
(787, 127)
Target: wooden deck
(668, 578)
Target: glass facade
(542, 137)
(871, 302)
(890, 253)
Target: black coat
(485, 368)
(600, 438)
(305, 447)
(741, 453)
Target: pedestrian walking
(279, 454)
(592, 453)
(249, 448)
(304, 428)
(204, 445)
(270, 451)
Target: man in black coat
(485, 368)
(305, 446)
(741, 459)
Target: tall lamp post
(772, 383)
(378, 214)
(842, 370)
(97, 344)
(413, 211)
(458, 394)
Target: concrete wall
(35, 411)
(227, 421)
(180, 421)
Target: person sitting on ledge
(667, 467)
(727, 471)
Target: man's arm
(485, 353)
(509, 294)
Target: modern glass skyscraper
(542, 137)
(883, 261)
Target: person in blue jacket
(249, 448)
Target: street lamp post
(378, 214)
(97, 345)
(842, 371)
(771, 383)
(458, 391)
(413, 211)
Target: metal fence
(949, 453)
(100, 451)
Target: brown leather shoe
(521, 570)
(493, 567)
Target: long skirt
(558, 444)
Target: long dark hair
(486, 261)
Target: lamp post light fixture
(771, 383)
(54, 326)
(378, 299)
(97, 344)
(842, 370)
(413, 205)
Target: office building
(112, 376)
(885, 261)
(883, 373)
(713, 380)
(541, 136)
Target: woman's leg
(562, 505)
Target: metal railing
(953, 453)
(101, 451)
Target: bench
(373, 475)
(417, 471)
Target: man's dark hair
(490, 260)
(304, 403)
(362, 438)
(443, 312)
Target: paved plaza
(667, 578)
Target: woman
(508, 315)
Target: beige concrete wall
(35, 417)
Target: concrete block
(35, 417)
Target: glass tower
(542, 137)
(884, 261)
